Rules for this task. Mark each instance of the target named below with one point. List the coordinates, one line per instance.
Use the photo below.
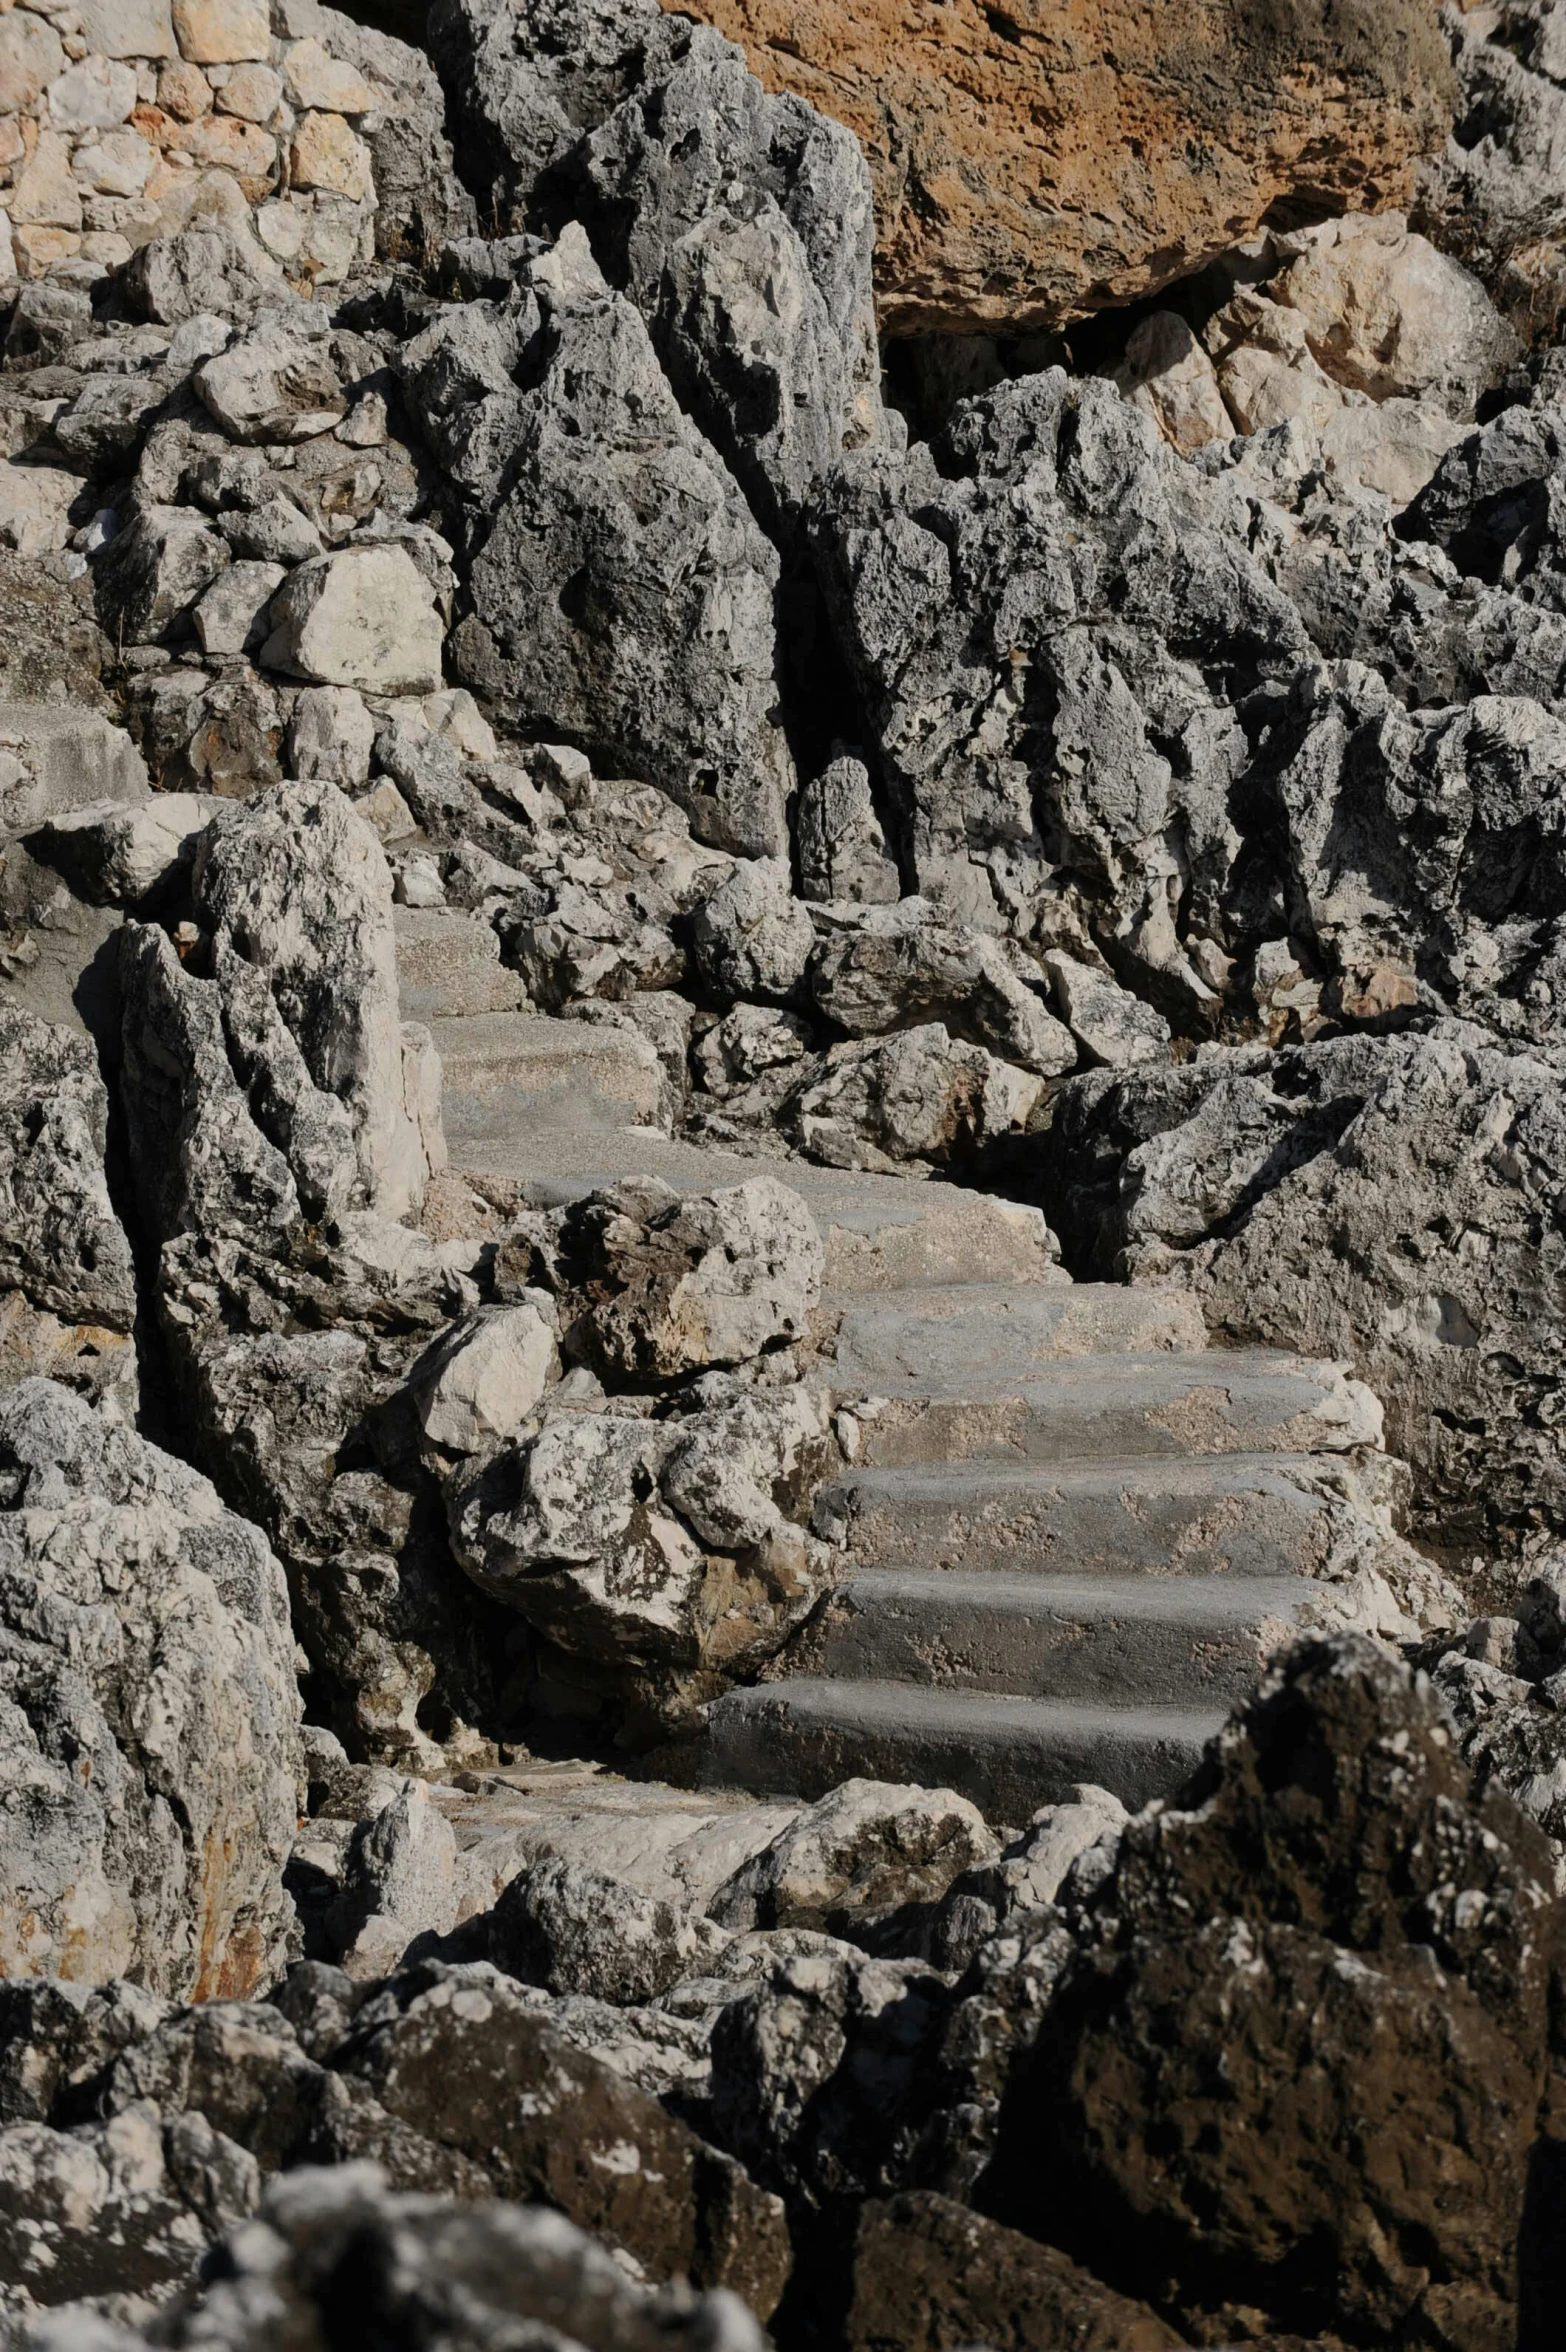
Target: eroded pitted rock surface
(1228, 1173)
(150, 1754)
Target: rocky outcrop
(739, 224)
(1492, 192)
(1274, 1934)
(621, 591)
(148, 1714)
(1061, 170)
(1404, 1151)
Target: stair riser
(1081, 1427)
(1096, 1534)
(1007, 1770)
(950, 1641)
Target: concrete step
(1119, 1407)
(1009, 1755)
(56, 756)
(1111, 1641)
(950, 1331)
(1240, 1515)
(448, 965)
(505, 1071)
(882, 1233)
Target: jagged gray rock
(164, 1858)
(918, 1098)
(663, 1557)
(843, 853)
(1054, 770)
(1420, 850)
(620, 593)
(576, 1930)
(1431, 1160)
(67, 1282)
(897, 967)
(1493, 194)
(868, 1850)
(297, 887)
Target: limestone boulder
(67, 1281)
(154, 571)
(445, 2272)
(578, 1931)
(898, 967)
(1051, 620)
(296, 888)
(663, 1557)
(485, 1379)
(462, 2057)
(843, 852)
(127, 2208)
(739, 223)
(867, 1851)
(918, 1097)
(651, 1287)
(164, 1860)
(752, 938)
(1064, 168)
(365, 618)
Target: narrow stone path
(1071, 1529)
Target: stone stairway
(1071, 1530)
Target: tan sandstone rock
(1034, 163)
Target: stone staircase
(1071, 1529)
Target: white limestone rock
(486, 1378)
(364, 618)
(271, 386)
(865, 1851)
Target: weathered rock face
(150, 1744)
(739, 224)
(621, 592)
(1492, 193)
(67, 1285)
(1391, 1201)
(1055, 770)
(1065, 167)
(1328, 1928)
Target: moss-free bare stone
(1034, 163)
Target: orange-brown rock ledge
(1039, 160)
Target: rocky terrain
(782, 1252)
